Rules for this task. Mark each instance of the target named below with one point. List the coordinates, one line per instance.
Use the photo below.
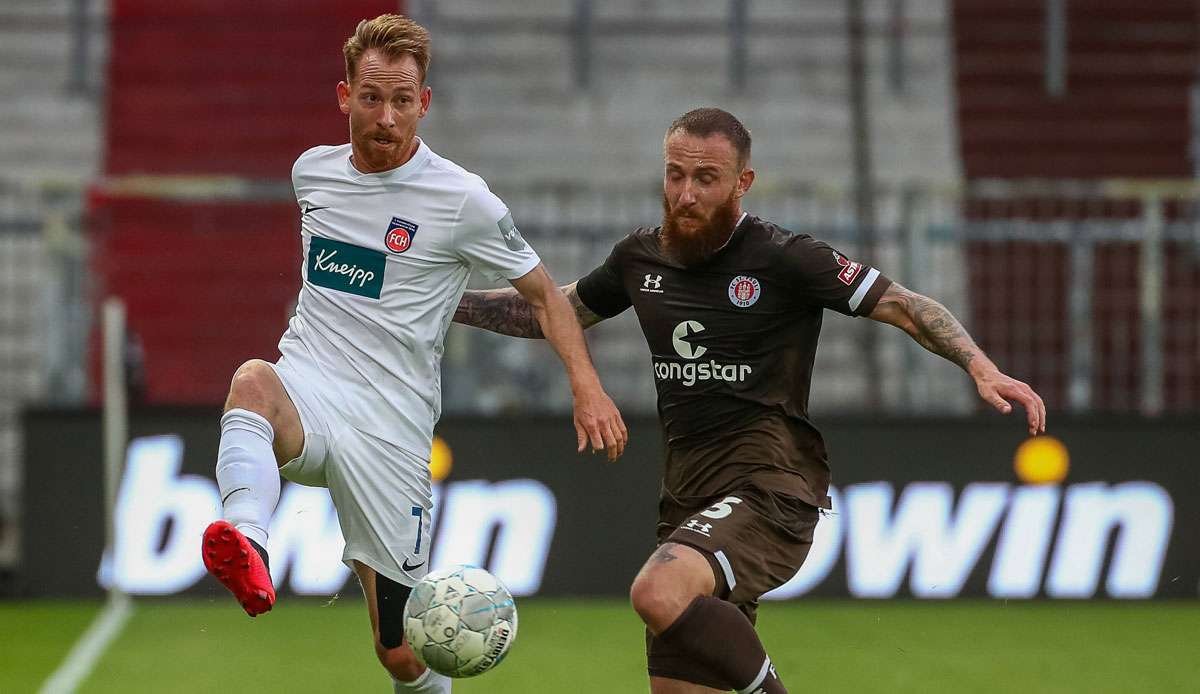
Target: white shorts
(382, 492)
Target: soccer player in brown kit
(731, 307)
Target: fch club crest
(400, 234)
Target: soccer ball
(460, 621)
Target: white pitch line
(87, 650)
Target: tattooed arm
(506, 312)
(937, 330)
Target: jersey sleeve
(826, 278)
(487, 239)
(300, 179)
(602, 290)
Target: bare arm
(507, 312)
(596, 417)
(937, 330)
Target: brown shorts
(754, 539)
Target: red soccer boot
(240, 565)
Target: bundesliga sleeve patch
(850, 268)
(508, 231)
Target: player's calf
(717, 635)
(386, 599)
(401, 663)
(409, 676)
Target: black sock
(717, 634)
(262, 552)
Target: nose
(387, 116)
(687, 194)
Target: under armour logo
(696, 526)
(652, 284)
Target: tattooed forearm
(941, 331)
(929, 323)
(501, 311)
(506, 312)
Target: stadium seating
(507, 98)
(197, 87)
(1125, 112)
(206, 286)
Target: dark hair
(703, 122)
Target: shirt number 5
(722, 508)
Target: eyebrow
(368, 84)
(703, 168)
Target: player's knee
(401, 662)
(656, 601)
(253, 388)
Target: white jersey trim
(861, 292)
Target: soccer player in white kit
(391, 232)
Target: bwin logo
(679, 341)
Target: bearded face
(690, 236)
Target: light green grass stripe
(87, 651)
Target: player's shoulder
(781, 242)
(453, 176)
(479, 203)
(765, 232)
(641, 243)
(322, 154)
(320, 158)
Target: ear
(426, 97)
(745, 180)
(343, 95)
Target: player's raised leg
(260, 431)
(385, 601)
(673, 594)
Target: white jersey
(386, 258)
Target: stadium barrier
(922, 509)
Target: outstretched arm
(596, 417)
(937, 330)
(507, 312)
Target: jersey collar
(415, 162)
(732, 233)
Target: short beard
(691, 248)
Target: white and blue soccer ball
(460, 621)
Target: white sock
(247, 474)
(429, 682)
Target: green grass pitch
(586, 647)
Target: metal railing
(1087, 290)
(1104, 268)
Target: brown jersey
(732, 345)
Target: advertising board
(922, 509)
